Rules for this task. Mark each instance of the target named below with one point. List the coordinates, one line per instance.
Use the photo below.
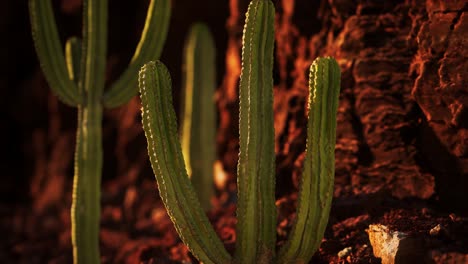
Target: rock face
(402, 121)
(441, 91)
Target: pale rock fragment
(395, 247)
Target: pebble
(435, 230)
(345, 252)
(395, 247)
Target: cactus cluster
(256, 212)
(78, 79)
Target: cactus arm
(48, 47)
(73, 58)
(149, 48)
(164, 150)
(256, 211)
(198, 136)
(316, 188)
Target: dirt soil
(402, 139)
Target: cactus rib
(316, 188)
(256, 211)
(149, 48)
(49, 50)
(198, 134)
(164, 150)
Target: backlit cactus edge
(78, 80)
(256, 212)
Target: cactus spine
(256, 229)
(79, 81)
(198, 135)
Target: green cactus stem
(316, 187)
(78, 80)
(86, 185)
(165, 153)
(256, 211)
(198, 135)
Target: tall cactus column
(316, 187)
(78, 79)
(256, 212)
(165, 154)
(88, 155)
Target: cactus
(198, 134)
(165, 153)
(316, 187)
(256, 212)
(78, 80)
(256, 228)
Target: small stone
(394, 247)
(345, 252)
(435, 230)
